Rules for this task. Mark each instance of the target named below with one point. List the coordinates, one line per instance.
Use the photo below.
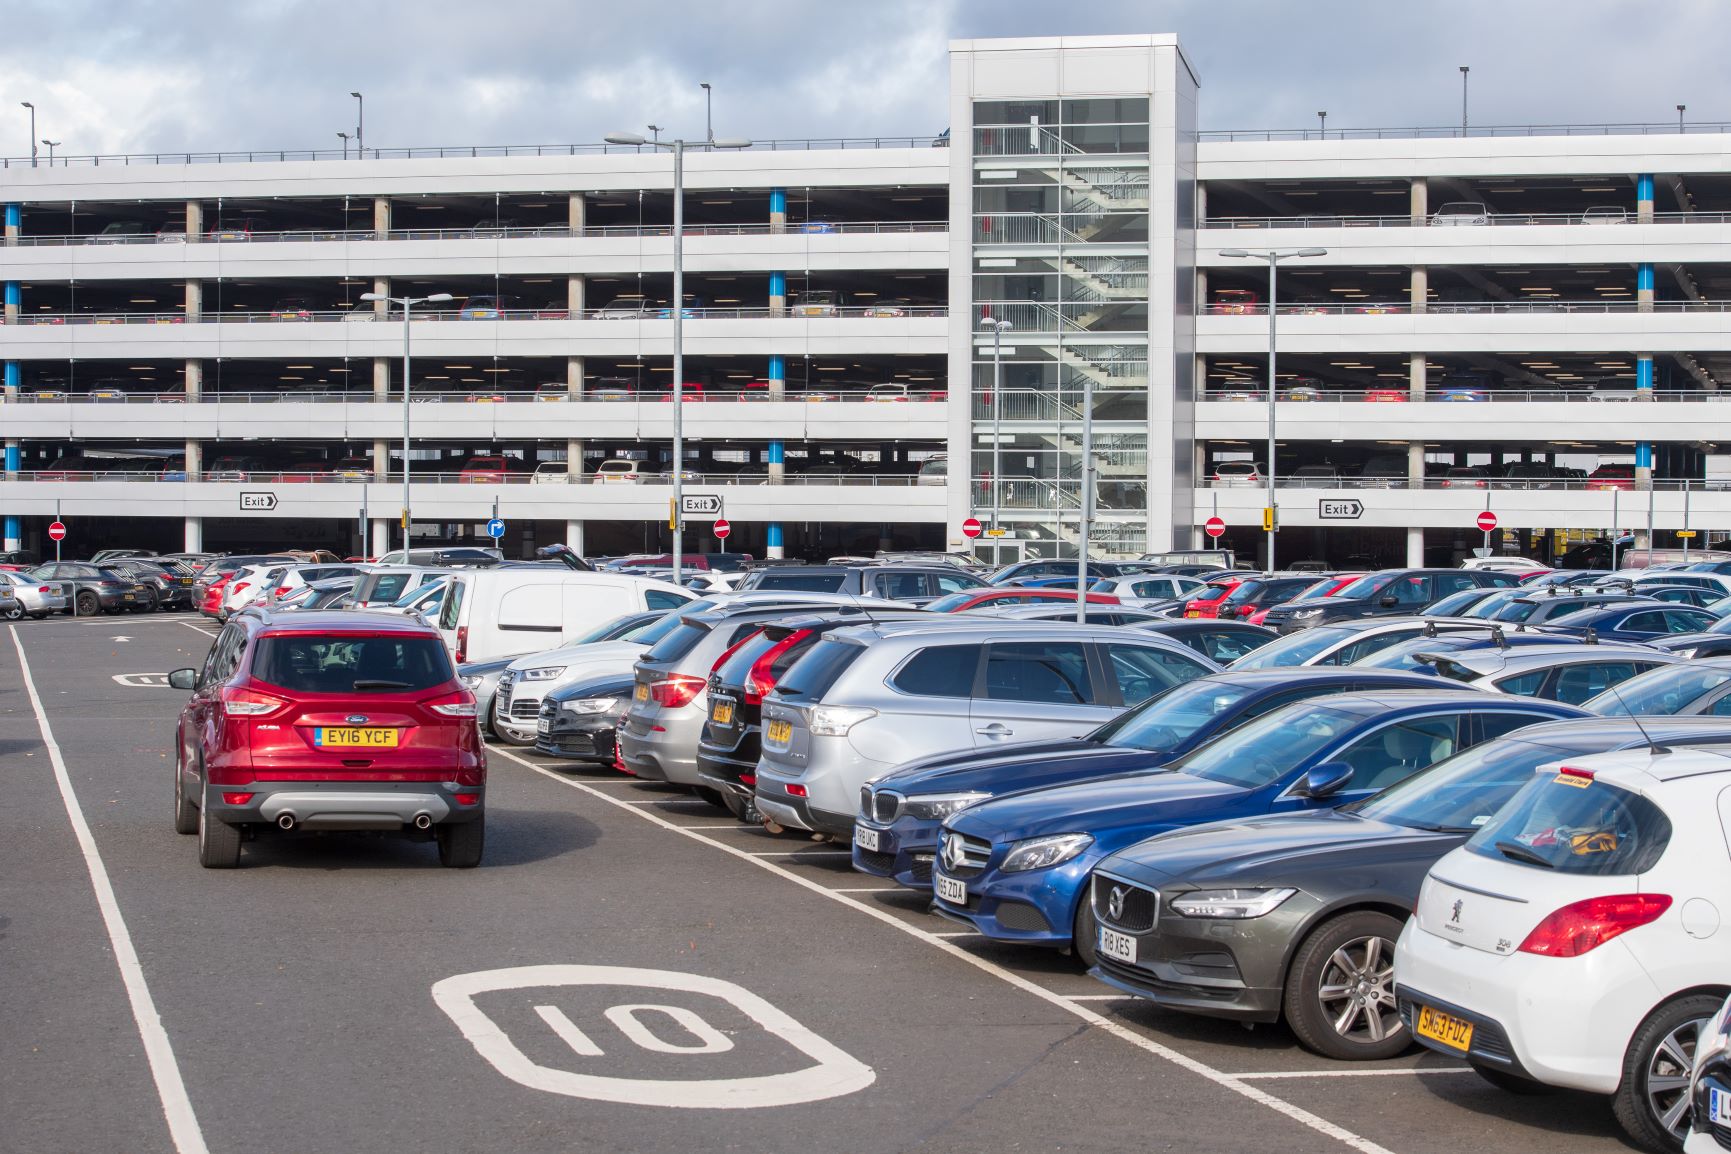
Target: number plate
(865, 837)
(951, 890)
(1451, 1031)
(348, 737)
(544, 725)
(641, 693)
(1119, 947)
(126, 597)
(721, 712)
(1718, 1106)
(1191, 613)
(780, 732)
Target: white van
(492, 613)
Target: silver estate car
(1569, 673)
(870, 698)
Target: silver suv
(870, 698)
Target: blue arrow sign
(495, 528)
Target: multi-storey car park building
(1533, 320)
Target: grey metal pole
(1464, 70)
(1087, 498)
(1616, 526)
(997, 423)
(360, 125)
(32, 109)
(708, 120)
(1650, 498)
(407, 521)
(678, 518)
(1273, 263)
(1686, 519)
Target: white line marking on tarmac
(196, 628)
(1231, 1082)
(956, 934)
(1355, 1073)
(1103, 998)
(874, 890)
(804, 853)
(183, 1125)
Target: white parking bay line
(803, 853)
(183, 1125)
(1356, 1073)
(1232, 1082)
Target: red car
(328, 721)
(1208, 605)
(976, 598)
(1607, 477)
(1324, 587)
(489, 470)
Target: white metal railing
(366, 315)
(1661, 128)
(488, 232)
(320, 474)
(1598, 219)
(1453, 394)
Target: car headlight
(1299, 614)
(938, 806)
(544, 673)
(589, 705)
(472, 681)
(1038, 853)
(1230, 903)
(836, 720)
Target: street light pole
(360, 125)
(407, 303)
(708, 121)
(1464, 70)
(1681, 108)
(52, 145)
(32, 109)
(1322, 125)
(1273, 257)
(345, 137)
(997, 327)
(678, 149)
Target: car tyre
(1652, 1100)
(87, 604)
(218, 842)
(16, 612)
(1339, 993)
(185, 813)
(460, 843)
(742, 808)
(1085, 934)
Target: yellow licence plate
(1191, 613)
(1451, 1031)
(641, 693)
(348, 737)
(779, 731)
(721, 714)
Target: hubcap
(1668, 1077)
(1357, 991)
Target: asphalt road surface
(629, 970)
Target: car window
(1144, 672)
(939, 671)
(1652, 621)
(1687, 620)
(899, 586)
(1495, 725)
(212, 659)
(1454, 582)
(1261, 751)
(1396, 752)
(957, 582)
(1413, 589)
(451, 611)
(1576, 824)
(1226, 647)
(813, 675)
(1171, 718)
(660, 599)
(308, 663)
(1365, 646)
(1523, 685)
(1044, 672)
(796, 582)
(1576, 683)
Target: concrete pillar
(773, 547)
(382, 217)
(574, 447)
(193, 541)
(1418, 370)
(1644, 288)
(194, 459)
(13, 373)
(194, 382)
(382, 308)
(1201, 299)
(777, 294)
(579, 211)
(381, 537)
(1644, 449)
(576, 295)
(574, 537)
(381, 448)
(1415, 548)
(778, 210)
(14, 299)
(1644, 198)
(1201, 203)
(1420, 200)
(194, 222)
(1415, 464)
(14, 219)
(777, 377)
(1420, 290)
(194, 301)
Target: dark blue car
(1635, 622)
(896, 830)
(1015, 868)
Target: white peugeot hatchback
(1577, 941)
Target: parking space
(629, 970)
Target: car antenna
(1653, 747)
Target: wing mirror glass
(1328, 778)
(186, 679)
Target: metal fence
(1457, 394)
(592, 394)
(467, 477)
(365, 315)
(1594, 220)
(1547, 305)
(484, 232)
(1661, 128)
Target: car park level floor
(656, 967)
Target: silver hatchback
(870, 698)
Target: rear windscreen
(1573, 823)
(677, 642)
(812, 675)
(382, 587)
(324, 664)
(796, 582)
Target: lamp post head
(630, 138)
(1233, 252)
(1311, 252)
(374, 297)
(27, 104)
(730, 142)
(996, 325)
(356, 95)
(703, 84)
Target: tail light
(761, 679)
(462, 644)
(732, 649)
(238, 587)
(42, 589)
(676, 690)
(281, 589)
(236, 798)
(250, 703)
(460, 704)
(466, 798)
(1586, 925)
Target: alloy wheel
(1357, 990)
(1667, 1077)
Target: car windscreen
(1667, 690)
(1572, 822)
(1403, 655)
(1294, 648)
(1169, 720)
(608, 630)
(1462, 793)
(951, 602)
(1261, 751)
(1364, 587)
(315, 663)
(813, 675)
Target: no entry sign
(722, 528)
(57, 532)
(1487, 521)
(971, 527)
(1214, 527)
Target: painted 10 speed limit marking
(646, 1026)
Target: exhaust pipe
(286, 821)
(423, 821)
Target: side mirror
(1328, 778)
(186, 679)
(1388, 602)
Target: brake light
(748, 779)
(794, 789)
(462, 644)
(732, 649)
(465, 798)
(250, 703)
(281, 589)
(1570, 771)
(761, 680)
(236, 798)
(460, 704)
(238, 587)
(42, 589)
(1586, 925)
(676, 690)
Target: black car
(579, 721)
(172, 582)
(91, 589)
(1296, 915)
(732, 737)
(1386, 592)
(1222, 641)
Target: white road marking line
(804, 853)
(735, 825)
(956, 934)
(1355, 1073)
(874, 890)
(641, 801)
(183, 1125)
(1231, 1082)
(197, 628)
(1108, 998)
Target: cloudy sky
(142, 75)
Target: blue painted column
(13, 372)
(1645, 295)
(773, 541)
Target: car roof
(1307, 674)
(342, 621)
(951, 624)
(1373, 702)
(1637, 768)
(1493, 660)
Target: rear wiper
(375, 683)
(1515, 851)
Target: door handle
(996, 729)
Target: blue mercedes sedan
(1015, 868)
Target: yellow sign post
(1268, 521)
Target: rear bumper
(774, 801)
(347, 805)
(669, 755)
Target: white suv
(1577, 941)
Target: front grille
(1020, 916)
(1138, 908)
(882, 808)
(963, 856)
(502, 696)
(922, 869)
(525, 710)
(872, 859)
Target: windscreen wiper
(377, 683)
(1515, 851)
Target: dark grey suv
(1388, 592)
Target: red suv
(328, 721)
